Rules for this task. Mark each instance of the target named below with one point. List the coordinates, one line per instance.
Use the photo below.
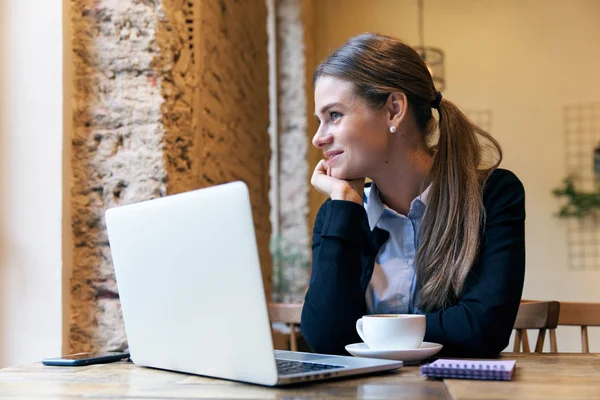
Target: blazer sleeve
(480, 324)
(335, 300)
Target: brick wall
(168, 96)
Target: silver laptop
(192, 296)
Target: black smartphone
(78, 359)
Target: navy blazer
(478, 324)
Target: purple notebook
(467, 369)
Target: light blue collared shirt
(393, 285)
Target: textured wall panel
(293, 168)
(168, 96)
(233, 140)
(117, 150)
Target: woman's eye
(334, 115)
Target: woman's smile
(332, 156)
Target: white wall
(31, 182)
(525, 60)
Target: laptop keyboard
(287, 367)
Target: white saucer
(426, 350)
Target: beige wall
(525, 60)
(31, 139)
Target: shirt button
(410, 261)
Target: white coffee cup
(392, 331)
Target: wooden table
(538, 376)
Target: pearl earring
(393, 129)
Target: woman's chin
(343, 175)
(338, 174)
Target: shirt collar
(424, 196)
(375, 207)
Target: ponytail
(455, 214)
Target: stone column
(292, 254)
(168, 96)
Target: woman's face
(351, 135)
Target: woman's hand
(337, 189)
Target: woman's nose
(322, 137)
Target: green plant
(579, 203)
(291, 264)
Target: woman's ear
(397, 107)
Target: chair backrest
(289, 314)
(541, 315)
(580, 314)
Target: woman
(438, 232)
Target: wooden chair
(541, 315)
(579, 314)
(289, 314)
